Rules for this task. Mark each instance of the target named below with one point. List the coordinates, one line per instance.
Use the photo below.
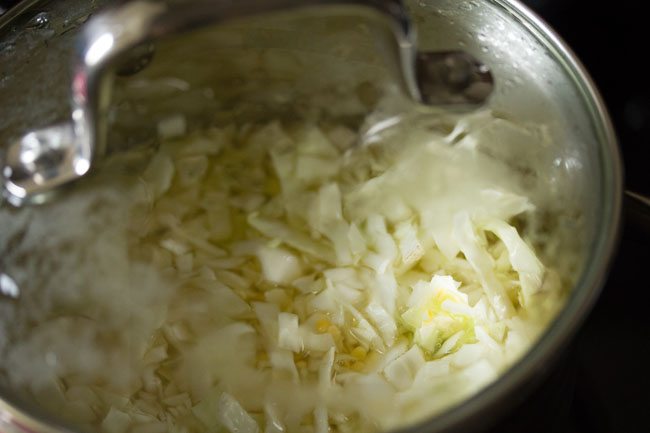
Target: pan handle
(120, 39)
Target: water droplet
(484, 49)
(39, 21)
(482, 37)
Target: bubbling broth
(282, 277)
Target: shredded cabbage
(311, 286)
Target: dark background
(612, 40)
(602, 384)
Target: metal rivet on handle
(452, 78)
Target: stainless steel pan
(537, 78)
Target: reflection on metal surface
(8, 287)
(40, 161)
(121, 40)
(99, 48)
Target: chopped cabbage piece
(402, 371)
(172, 127)
(233, 416)
(279, 265)
(116, 421)
(482, 264)
(289, 332)
(432, 316)
(523, 260)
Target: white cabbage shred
(310, 286)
